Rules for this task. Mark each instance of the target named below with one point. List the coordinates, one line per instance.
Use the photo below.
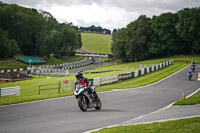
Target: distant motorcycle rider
(193, 65)
(85, 82)
(189, 74)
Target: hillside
(96, 43)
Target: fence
(66, 85)
(8, 91)
(63, 85)
(46, 87)
(13, 70)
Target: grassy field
(29, 88)
(11, 64)
(178, 126)
(96, 43)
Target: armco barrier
(132, 74)
(124, 76)
(8, 91)
(109, 79)
(139, 72)
(142, 71)
(136, 73)
(148, 69)
(97, 81)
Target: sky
(110, 14)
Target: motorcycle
(189, 76)
(84, 104)
(192, 68)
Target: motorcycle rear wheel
(82, 103)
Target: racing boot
(87, 95)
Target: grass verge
(195, 99)
(190, 125)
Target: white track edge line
(168, 106)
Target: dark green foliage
(8, 48)
(188, 28)
(164, 35)
(37, 33)
(118, 45)
(139, 33)
(164, 41)
(95, 29)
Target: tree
(139, 33)
(70, 39)
(8, 48)
(164, 41)
(188, 28)
(118, 45)
(50, 44)
(37, 32)
(132, 42)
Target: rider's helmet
(190, 71)
(79, 75)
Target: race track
(63, 115)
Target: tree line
(95, 29)
(34, 33)
(160, 36)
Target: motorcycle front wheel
(82, 103)
(99, 104)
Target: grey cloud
(141, 7)
(131, 5)
(49, 3)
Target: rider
(85, 82)
(189, 73)
(193, 63)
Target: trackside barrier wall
(109, 79)
(9, 91)
(97, 81)
(148, 69)
(132, 74)
(142, 71)
(13, 70)
(46, 69)
(136, 73)
(124, 76)
(104, 80)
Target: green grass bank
(178, 126)
(96, 43)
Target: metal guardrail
(125, 76)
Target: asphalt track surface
(63, 115)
